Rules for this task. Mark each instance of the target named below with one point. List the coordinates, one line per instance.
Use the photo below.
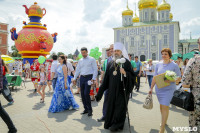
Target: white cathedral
(146, 35)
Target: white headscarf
(120, 46)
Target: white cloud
(93, 9)
(190, 26)
(89, 22)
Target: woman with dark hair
(6, 91)
(49, 75)
(63, 98)
(165, 94)
(3, 114)
(191, 79)
(184, 66)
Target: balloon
(41, 59)
(97, 48)
(92, 50)
(80, 56)
(99, 54)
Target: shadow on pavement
(15, 89)
(168, 129)
(88, 122)
(135, 101)
(154, 131)
(49, 94)
(94, 103)
(38, 106)
(61, 116)
(32, 95)
(4, 106)
(175, 109)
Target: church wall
(124, 35)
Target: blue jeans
(54, 83)
(150, 78)
(6, 118)
(85, 93)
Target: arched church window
(152, 15)
(165, 40)
(122, 40)
(132, 41)
(153, 41)
(163, 15)
(146, 16)
(153, 56)
(142, 41)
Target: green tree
(60, 53)
(50, 57)
(15, 52)
(70, 56)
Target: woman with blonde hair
(165, 94)
(150, 71)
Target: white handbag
(148, 103)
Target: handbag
(6, 91)
(148, 103)
(183, 99)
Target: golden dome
(136, 19)
(147, 4)
(127, 12)
(170, 16)
(164, 6)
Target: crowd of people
(115, 78)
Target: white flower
(122, 60)
(118, 61)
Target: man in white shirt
(54, 74)
(87, 69)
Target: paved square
(31, 116)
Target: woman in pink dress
(49, 75)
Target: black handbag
(183, 99)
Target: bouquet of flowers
(170, 75)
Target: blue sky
(89, 22)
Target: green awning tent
(175, 56)
(190, 55)
(17, 58)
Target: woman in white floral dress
(191, 78)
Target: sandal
(77, 93)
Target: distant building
(4, 38)
(146, 35)
(76, 53)
(188, 45)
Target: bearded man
(112, 82)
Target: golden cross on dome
(127, 5)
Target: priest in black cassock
(119, 68)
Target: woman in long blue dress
(165, 94)
(63, 98)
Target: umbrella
(7, 59)
(175, 56)
(190, 55)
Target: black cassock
(116, 110)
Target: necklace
(165, 65)
(115, 72)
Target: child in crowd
(43, 83)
